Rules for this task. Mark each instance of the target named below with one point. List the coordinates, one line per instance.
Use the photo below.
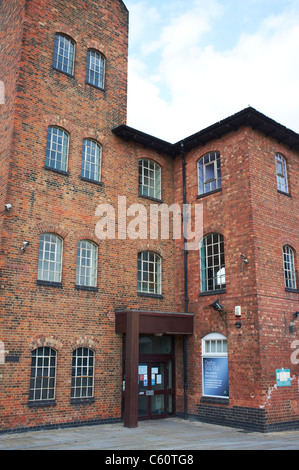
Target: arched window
(50, 258)
(149, 273)
(212, 263)
(91, 160)
(149, 179)
(82, 373)
(209, 173)
(215, 381)
(57, 149)
(95, 70)
(281, 173)
(87, 255)
(289, 267)
(64, 54)
(43, 374)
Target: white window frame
(86, 266)
(213, 345)
(149, 179)
(289, 268)
(206, 185)
(50, 258)
(212, 258)
(281, 173)
(83, 366)
(91, 160)
(63, 53)
(149, 272)
(57, 149)
(95, 69)
(43, 374)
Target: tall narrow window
(149, 273)
(43, 374)
(64, 54)
(57, 149)
(149, 179)
(212, 263)
(91, 160)
(281, 173)
(50, 258)
(82, 373)
(87, 254)
(95, 70)
(215, 366)
(209, 173)
(289, 268)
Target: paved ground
(168, 435)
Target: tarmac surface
(164, 435)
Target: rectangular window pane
(91, 160)
(82, 377)
(149, 179)
(64, 52)
(87, 254)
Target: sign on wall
(215, 377)
(283, 378)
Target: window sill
(294, 291)
(200, 196)
(41, 403)
(95, 86)
(212, 292)
(215, 400)
(88, 288)
(60, 172)
(154, 296)
(88, 180)
(284, 194)
(64, 73)
(82, 401)
(150, 198)
(48, 283)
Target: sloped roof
(247, 117)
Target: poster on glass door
(215, 377)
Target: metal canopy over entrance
(152, 399)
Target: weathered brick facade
(254, 218)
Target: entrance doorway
(155, 389)
(156, 380)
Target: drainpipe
(185, 281)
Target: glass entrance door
(155, 389)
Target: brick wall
(276, 223)
(256, 221)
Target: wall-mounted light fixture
(8, 207)
(216, 306)
(296, 315)
(220, 309)
(244, 259)
(25, 244)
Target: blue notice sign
(215, 377)
(283, 378)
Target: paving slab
(171, 434)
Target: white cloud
(205, 84)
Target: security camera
(25, 244)
(216, 306)
(8, 207)
(245, 260)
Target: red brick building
(102, 319)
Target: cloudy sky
(195, 62)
